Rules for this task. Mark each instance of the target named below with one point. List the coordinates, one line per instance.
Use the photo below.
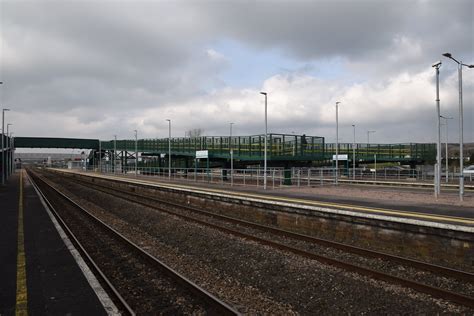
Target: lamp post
(3, 145)
(114, 165)
(354, 153)
(169, 149)
(437, 178)
(100, 156)
(265, 144)
(461, 127)
(368, 136)
(136, 152)
(12, 142)
(368, 141)
(231, 156)
(7, 166)
(446, 147)
(337, 142)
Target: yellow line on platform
(349, 207)
(21, 289)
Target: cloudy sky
(97, 68)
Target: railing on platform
(278, 177)
(409, 151)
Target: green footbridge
(281, 148)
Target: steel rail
(92, 264)
(458, 274)
(218, 306)
(146, 183)
(424, 288)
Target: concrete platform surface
(55, 283)
(390, 202)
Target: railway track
(138, 282)
(164, 206)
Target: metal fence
(278, 177)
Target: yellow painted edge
(323, 204)
(447, 218)
(21, 289)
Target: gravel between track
(403, 271)
(255, 278)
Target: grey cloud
(99, 65)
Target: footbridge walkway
(280, 148)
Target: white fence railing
(278, 177)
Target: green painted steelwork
(281, 147)
(49, 142)
(385, 152)
(250, 148)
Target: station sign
(340, 157)
(200, 154)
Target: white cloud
(138, 63)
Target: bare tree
(195, 132)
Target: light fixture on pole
(9, 145)
(337, 142)
(461, 127)
(3, 145)
(136, 152)
(368, 136)
(446, 147)
(265, 144)
(437, 177)
(354, 153)
(114, 165)
(169, 149)
(231, 156)
(368, 141)
(100, 156)
(12, 148)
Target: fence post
(273, 179)
(309, 175)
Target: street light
(265, 144)
(9, 152)
(12, 147)
(461, 127)
(136, 152)
(368, 141)
(437, 178)
(368, 137)
(169, 149)
(114, 155)
(231, 156)
(354, 153)
(337, 140)
(3, 145)
(100, 156)
(446, 153)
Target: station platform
(391, 204)
(39, 274)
